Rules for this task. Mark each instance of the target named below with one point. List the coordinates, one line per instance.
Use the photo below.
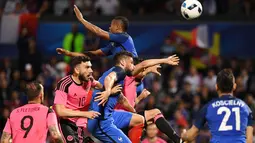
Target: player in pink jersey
(31, 122)
(150, 116)
(151, 135)
(72, 100)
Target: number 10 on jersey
(223, 125)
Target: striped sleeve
(61, 91)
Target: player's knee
(136, 120)
(155, 112)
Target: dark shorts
(72, 133)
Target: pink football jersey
(159, 140)
(74, 96)
(129, 92)
(30, 123)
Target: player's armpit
(191, 134)
(55, 134)
(6, 137)
(249, 134)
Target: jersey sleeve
(60, 97)
(121, 74)
(201, 118)
(120, 37)
(107, 50)
(51, 118)
(94, 83)
(250, 118)
(7, 127)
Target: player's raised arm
(171, 60)
(91, 27)
(91, 54)
(6, 135)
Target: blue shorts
(121, 118)
(106, 131)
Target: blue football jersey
(227, 118)
(108, 108)
(120, 42)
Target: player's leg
(125, 120)
(69, 131)
(107, 132)
(162, 124)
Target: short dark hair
(33, 90)
(77, 60)
(119, 56)
(225, 80)
(124, 21)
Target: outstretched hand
(61, 51)
(154, 69)
(78, 13)
(172, 60)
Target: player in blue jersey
(119, 39)
(103, 127)
(229, 119)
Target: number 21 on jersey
(228, 112)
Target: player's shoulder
(64, 83)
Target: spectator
(73, 41)
(210, 80)
(107, 7)
(85, 6)
(15, 81)
(193, 79)
(151, 135)
(34, 57)
(22, 45)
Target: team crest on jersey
(69, 138)
(120, 139)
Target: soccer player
(72, 99)
(31, 122)
(103, 127)
(150, 116)
(119, 39)
(229, 119)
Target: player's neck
(34, 102)
(153, 139)
(222, 94)
(76, 79)
(119, 65)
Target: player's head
(125, 60)
(82, 67)
(225, 81)
(119, 25)
(34, 92)
(151, 131)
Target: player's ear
(122, 62)
(216, 87)
(234, 87)
(76, 70)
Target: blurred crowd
(123, 7)
(179, 93)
